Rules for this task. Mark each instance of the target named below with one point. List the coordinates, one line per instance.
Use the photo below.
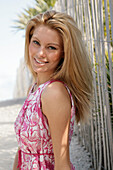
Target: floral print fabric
(33, 135)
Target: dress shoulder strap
(51, 81)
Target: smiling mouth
(39, 62)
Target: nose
(42, 52)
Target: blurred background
(11, 45)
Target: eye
(52, 48)
(36, 42)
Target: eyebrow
(35, 38)
(48, 43)
(54, 44)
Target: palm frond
(40, 6)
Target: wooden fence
(95, 20)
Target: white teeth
(39, 61)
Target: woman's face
(45, 50)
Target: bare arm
(16, 161)
(57, 108)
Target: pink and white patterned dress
(33, 135)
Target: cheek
(31, 50)
(56, 57)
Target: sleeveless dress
(33, 135)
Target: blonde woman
(61, 94)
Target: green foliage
(109, 20)
(109, 83)
(50, 3)
(40, 6)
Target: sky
(11, 44)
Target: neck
(42, 78)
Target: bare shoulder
(55, 96)
(55, 90)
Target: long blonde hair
(75, 70)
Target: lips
(40, 62)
